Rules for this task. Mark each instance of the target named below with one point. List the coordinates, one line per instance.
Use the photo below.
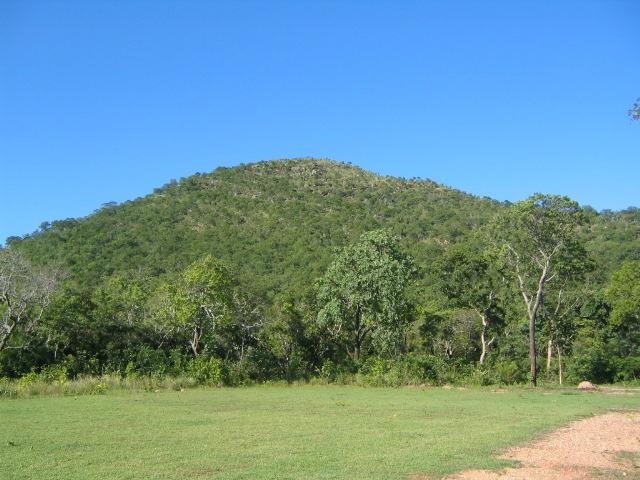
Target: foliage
(205, 370)
(623, 292)
(224, 266)
(198, 304)
(25, 291)
(469, 280)
(634, 112)
(537, 242)
(362, 294)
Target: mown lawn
(305, 432)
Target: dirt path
(602, 447)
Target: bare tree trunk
(5, 333)
(533, 305)
(549, 353)
(532, 350)
(559, 364)
(195, 340)
(357, 341)
(483, 339)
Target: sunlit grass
(269, 432)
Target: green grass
(269, 432)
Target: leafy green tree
(198, 303)
(537, 242)
(242, 332)
(362, 293)
(286, 338)
(623, 292)
(560, 317)
(469, 280)
(67, 324)
(123, 299)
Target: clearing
(605, 446)
(279, 432)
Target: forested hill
(276, 223)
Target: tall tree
(362, 293)
(560, 317)
(25, 291)
(197, 303)
(537, 243)
(468, 279)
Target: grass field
(269, 432)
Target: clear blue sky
(105, 100)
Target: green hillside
(276, 226)
(276, 222)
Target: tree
(537, 244)
(634, 112)
(123, 299)
(197, 303)
(469, 281)
(559, 316)
(623, 292)
(286, 337)
(247, 322)
(362, 294)
(25, 291)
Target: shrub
(628, 368)
(27, 380)
(55, 373)
(411, 369)
(508, 373)
(205, 370)
(589, 361)
(235, 374)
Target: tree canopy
(362, 294)
(295, 268)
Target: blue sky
(103, 101)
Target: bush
(205, 370)
(56, 373)
(589, 361)
(27, 380)
(236, 374)
(627, 369)
(508, 373)
(411, 369)
(333, 372)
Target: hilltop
(276, 222)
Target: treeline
(452, 289)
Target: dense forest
(313, 269)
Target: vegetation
(274, 432)
(302, 269)
(362, 295)
(634, 112)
